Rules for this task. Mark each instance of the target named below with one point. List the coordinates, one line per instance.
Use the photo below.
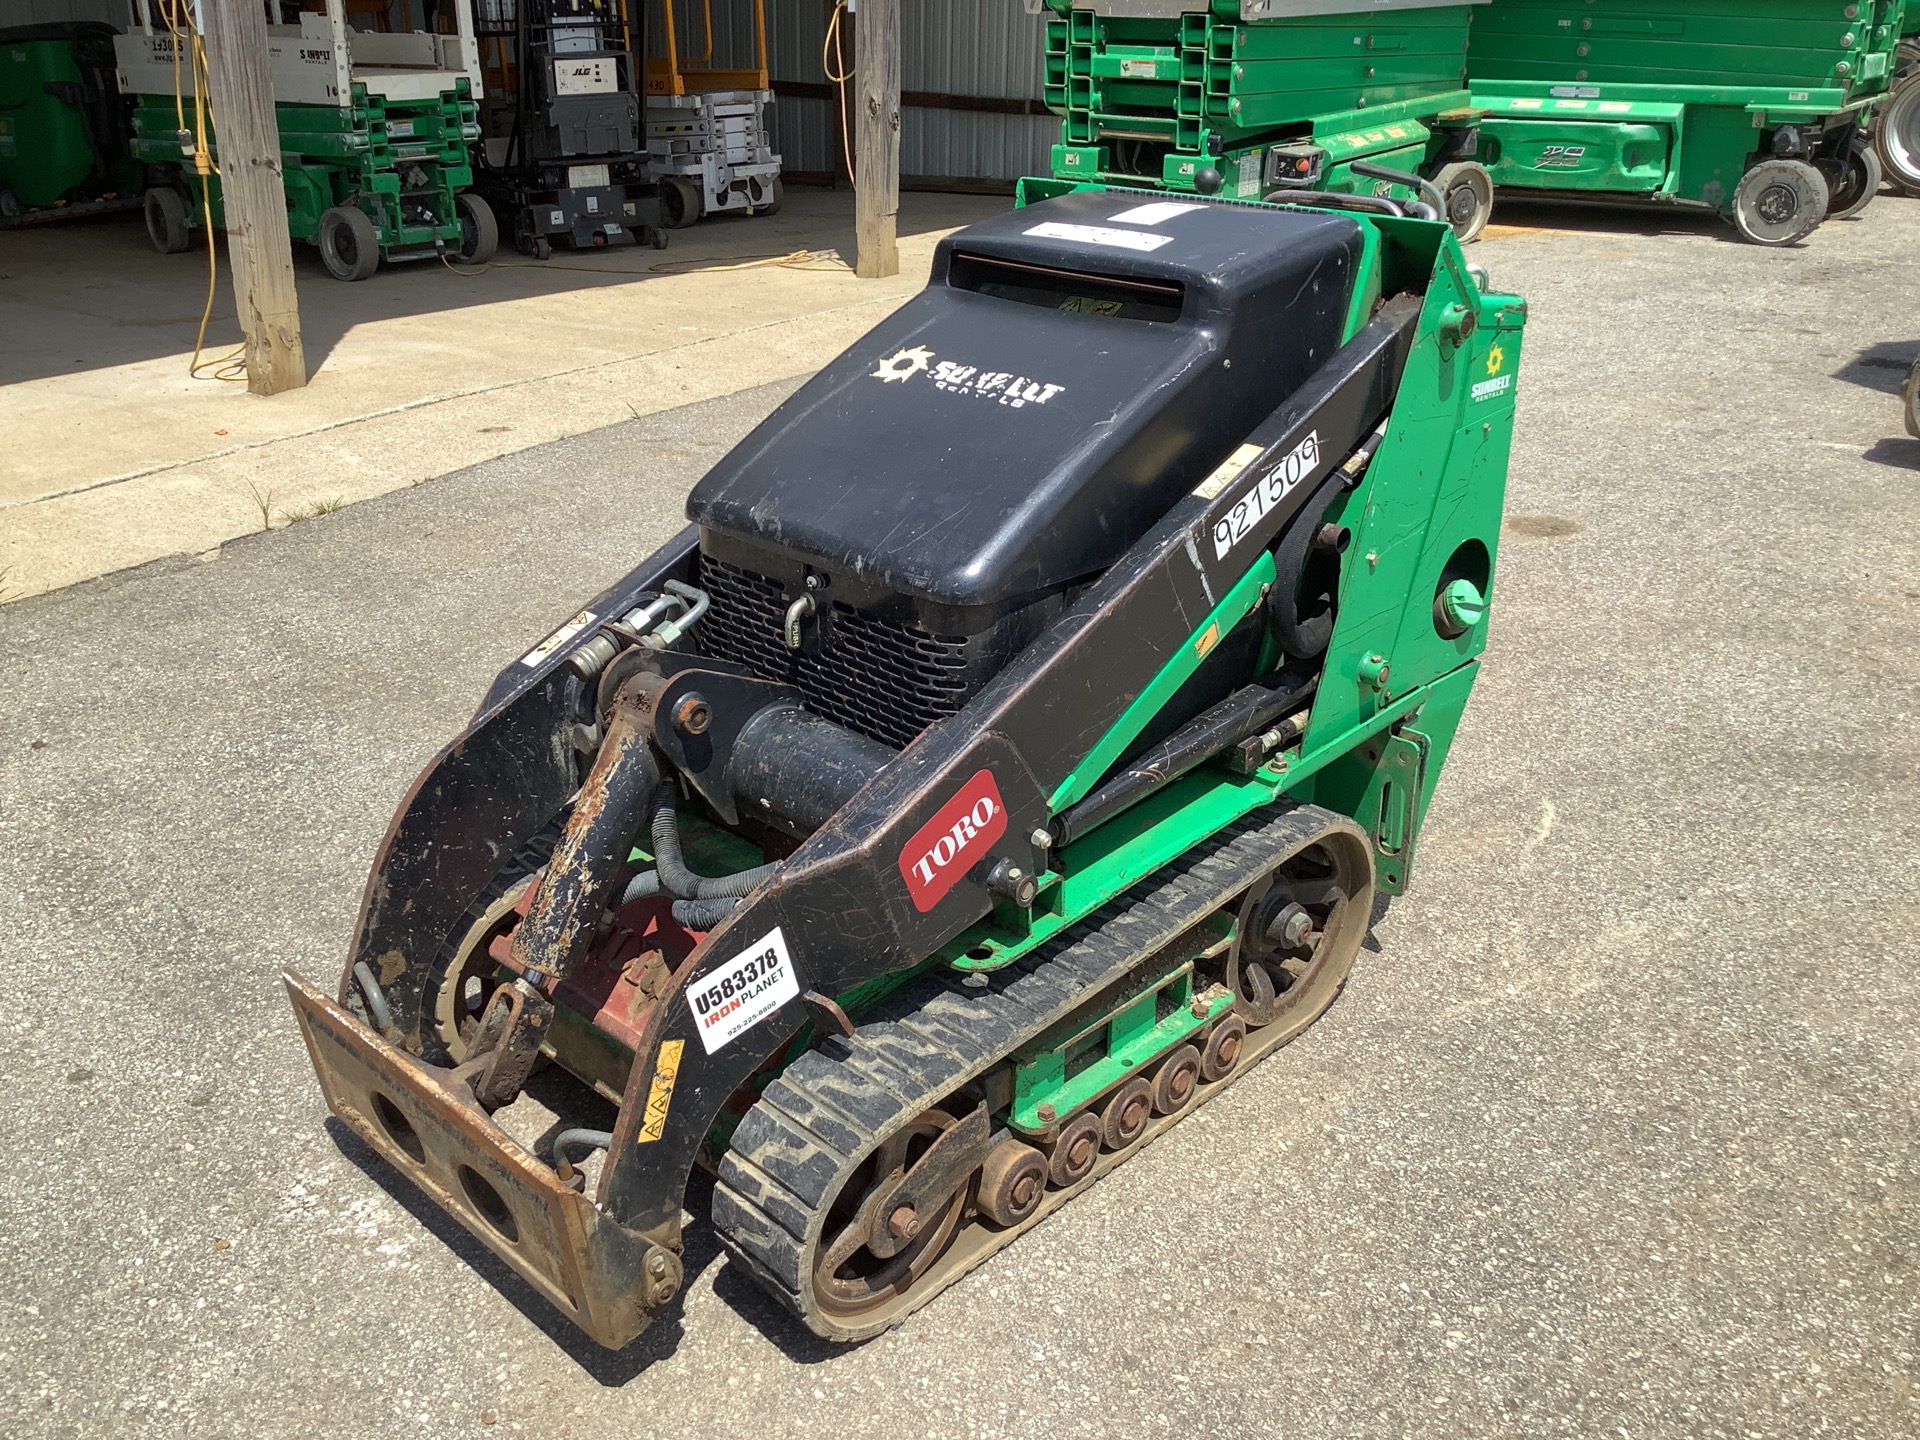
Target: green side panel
(46, 156)
(1762, 43)
(1717, 143)
(1428, 510)
(1562, 154)
(1234, 606)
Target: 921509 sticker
(1268, 491)
(746, 990)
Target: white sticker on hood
(1157, 213)
(1101, 235)
(744, 991)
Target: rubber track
(798, 1145)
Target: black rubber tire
(1779, 202)
(1896, 135)
(1910, 400)
(679, 202)
(1857, 187)
(9, 205)
(1467, 187)
(349, 245)
(479, 231)
(166, 211)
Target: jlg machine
(565, 155)
(1004, 759)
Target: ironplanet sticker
(743, 992)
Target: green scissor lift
(375, 136)
(1753, 108)
(1242, 97)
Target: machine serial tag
(744, 991)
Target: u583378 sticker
(744, 991)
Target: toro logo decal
(949, 844)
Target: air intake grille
(885, 680)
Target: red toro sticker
(950, 844)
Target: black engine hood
(1071, 369)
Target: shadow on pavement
(95, 294)
(1881, 367)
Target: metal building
(969, 78)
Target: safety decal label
(1264, 494)
(666, 1070)
(743, 992)
(1157, 213)
(540, 653)
(947, 846)
(1100, 235)
(1227, 472)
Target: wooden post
(876, 141)
(247, 146)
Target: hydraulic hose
(702, 914)
(375, 998)
(568, 1140)
(674, 876)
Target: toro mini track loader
(1004, 760)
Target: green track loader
(1005, 758)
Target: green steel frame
(1164, 101)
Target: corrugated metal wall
(950, 47)
(15, 13)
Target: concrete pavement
(1611, 1135)
(117, 456)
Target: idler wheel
(1012, 1182)
(1124, 1119)
(1222, 1052)
(1174, 1081)
(1071, 1155)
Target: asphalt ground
(1612, 1133)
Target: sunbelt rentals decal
(1495, 383)
(1014, 391)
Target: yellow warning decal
(665, 1071)
(1208, 638)
(1227, 471)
